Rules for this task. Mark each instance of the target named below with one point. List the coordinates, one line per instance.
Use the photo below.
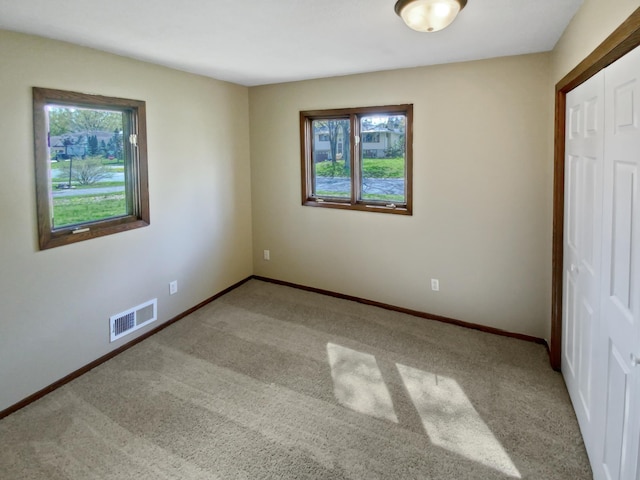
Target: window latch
(133, 139)
(357, 139)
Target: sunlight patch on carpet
(452, 422)
(358, 383)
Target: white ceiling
(256, 42)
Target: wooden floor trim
(415, 313)
(81, 371)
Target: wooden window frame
(137, 190)
(355, 202)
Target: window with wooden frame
(358, 158)
(90, 166)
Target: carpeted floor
(272, 382)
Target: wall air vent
(137, 317)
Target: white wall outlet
(435, 284)
(173, 287)
(266, 255)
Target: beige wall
(482, 213)
(55, 304)
(593, 23)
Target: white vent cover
(137, 317)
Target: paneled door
(582, 249)
(620, 301)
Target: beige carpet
(271, 382)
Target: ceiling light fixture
(429, 15)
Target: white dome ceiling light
(429, 15)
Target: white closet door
(582, 248)
(620, 302)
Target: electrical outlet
(266, 255)
(173, 287)
(435, 284)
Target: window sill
(364, 207)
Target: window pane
(383, 157)
(367, 168)
(90, 166)
(87, 165)
(330, 157)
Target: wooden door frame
(624, 39)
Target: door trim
(624, 39)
